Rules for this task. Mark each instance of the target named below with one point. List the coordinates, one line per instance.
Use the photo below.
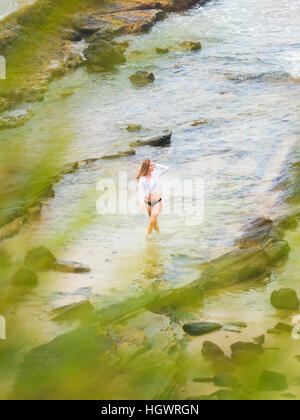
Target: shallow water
(244, 83)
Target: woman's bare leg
(153, 223)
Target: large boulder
(285, 299)
(142, 78)
(40, 259)
(103, 55)
(272, 381)
(201, 328)
(24, 278)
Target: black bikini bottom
(153, 203)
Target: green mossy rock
(285, 299)
(272, 381)
(40, 259)
(142, 78)
(24, 278)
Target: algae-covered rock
(276, 250)
(285, 299)
(191, 45)
(272, 381)
(24, 278)
(132, 128)
(201, 328)
(79, 310)
(250, 347)
(256, 231)
(103, 55)
(40, 259)
(160, 50)
(85, 23)
(142, 78)
(282, 327)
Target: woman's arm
(161, 169)
(142, 194)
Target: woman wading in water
(149, 192)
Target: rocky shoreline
(49, 38)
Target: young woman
(149, 192)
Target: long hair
(144, 169)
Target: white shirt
(151, 186)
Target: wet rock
(200, 122)
(260, 340)
(86, 24)
(103, 55)
(160, 50)
(71, 35)
(284, 328)
(40, 259)
(80, 310)
(201, 328)
(71, 267)
(249, 347)
(132, 128)
(272, 381)
(24, 278)
(191, 45)
(285, 299)
(12, 228)
(225, 380)
(15, 119)
(297, 358)
(223, 364)
(276, 250)
(142, 78)
(119, 155)
(211, 351)
(256, 231)
(273, 331)
(244, 357)
(163, 140)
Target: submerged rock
(285, 299)
(80, 310)
(160, 50)
(142, 78)
(211, 351)
(132, 128)
(103, 55)
(282, 327)
(256, 231)
(71, 267)
(276, 250)
(191, 45)
(272, 381)
(201, 328)
(15, 119)
(163, 140)
(225, 380)
(244, 357)
(24, 278)
(40, 259)
(250, 347)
